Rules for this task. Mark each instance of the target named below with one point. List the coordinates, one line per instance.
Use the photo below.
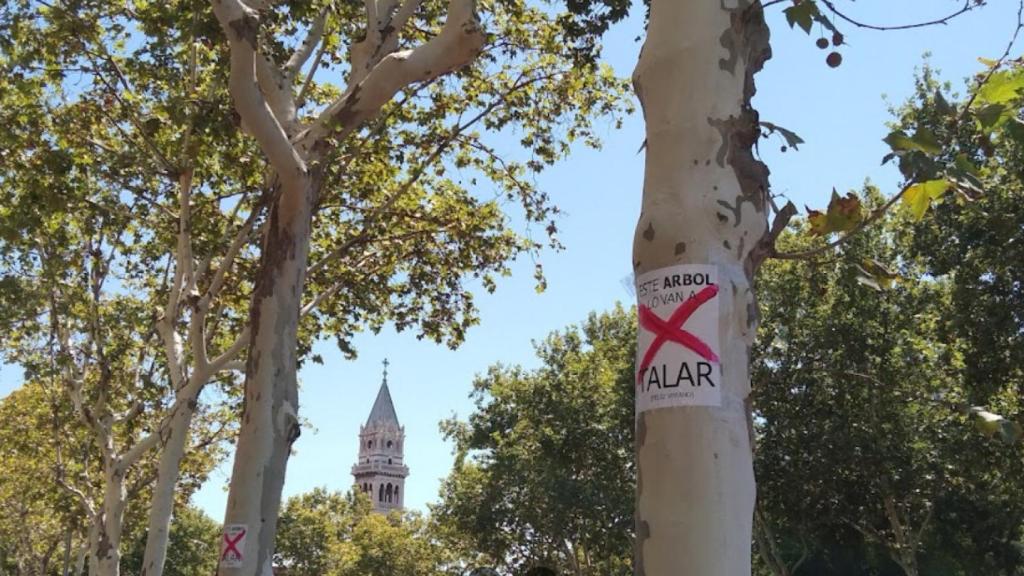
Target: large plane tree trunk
(270, 415)
(703, 215)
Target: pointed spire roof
(383, 411)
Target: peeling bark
(704, 202)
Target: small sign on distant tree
(233, 545)
(677, 338)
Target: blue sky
(841, 114)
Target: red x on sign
(231, 544)
(671, 330)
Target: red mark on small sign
(671, 330)
(231, 551)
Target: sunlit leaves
(1002, 87)
(923, 140)
(919, 197)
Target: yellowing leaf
(876, 275)
(844, 214)
(919, 197)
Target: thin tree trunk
(162, 505)
(704, 203)
(108, 524)
(270, 413)
(83, 551)
(66, 570)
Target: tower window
(389, 460)
(369, 444)
(389, 443)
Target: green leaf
(920, 196)
(942, 106)
(1014, 129)
(802, 14)
(963, 163)
(1002, 88)
(843, 215)
(923, 140)
(991, 115)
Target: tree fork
(705, 202)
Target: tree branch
(240, 24)
(967, 7)
(305, 49)
(458, 43)
(874, 217)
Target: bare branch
(231, 353)
(967, 7)
(90, 511)
(301, 55)
(300, 100)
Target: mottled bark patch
(746, 39)
(736, 39)
(345, 118)
(245, 29)
(643, 532)
(649, 232)
(680, 248)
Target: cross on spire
(386, 363)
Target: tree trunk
(162, 505)
(704, 203)
(270, 414)
(106, 536)
(83, 551)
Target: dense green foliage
(866, 457)
(543, 473)
(325, 533)
(192, 549)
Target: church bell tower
(380, 471)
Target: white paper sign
(677, 338)
(232, 545)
